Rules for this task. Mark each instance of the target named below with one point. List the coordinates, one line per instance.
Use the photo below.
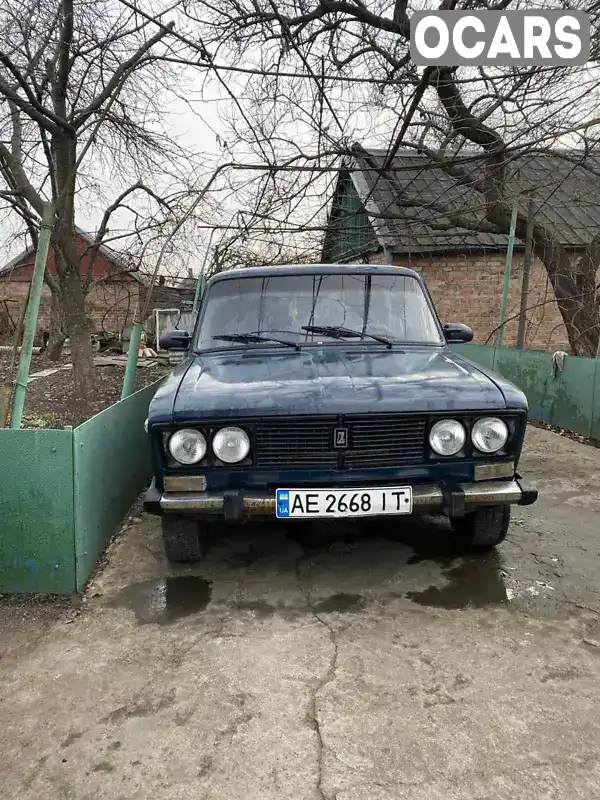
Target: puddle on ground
(165, 600)
(341, 603)
(474, 583)
(431, 555)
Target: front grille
(307, 442)
(381, 441)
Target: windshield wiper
(254, 337)
(339, 332)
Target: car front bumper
(235, 505)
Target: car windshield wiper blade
(254, 337)
(339, 332)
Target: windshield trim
(366, 273)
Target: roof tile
(417, 192)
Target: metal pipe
(507, 269)
(526, 273)
(8, 348)
(6, 391)
(132, 359)
(33, 307)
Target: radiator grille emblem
(340, 438)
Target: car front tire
(482, 529)
(185, 540)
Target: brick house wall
(111, 304)
(468, 288)
(111, 301)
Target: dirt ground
(50, 401)
(361, 663)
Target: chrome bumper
(452, 499)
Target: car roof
(314, 269)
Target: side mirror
(457, 332)
(175, 340)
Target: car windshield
(311, 307)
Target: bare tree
(83, 85)
(243, 251)
(316, 75)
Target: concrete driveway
(353, 664)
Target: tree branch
(21, 183)
(103, 228)
(43, 116)
(329, 7)
(120, 74)
(64, 52)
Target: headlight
(187, 446)
(447, 437)
(231, 445)
(489, 434)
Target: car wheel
(483, 528)
(185, 540)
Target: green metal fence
(569, 397)
(64, 492)
(36, 511)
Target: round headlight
(231, 445)
(489, 434)
(447, 437)
(187, 446)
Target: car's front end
(334, 429)
(299, 453)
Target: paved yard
(369, 666)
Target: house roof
(172, 296)
(118, 259)
(421, 197)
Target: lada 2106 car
(325, 392)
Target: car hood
(333, 380)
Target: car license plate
(343, 502)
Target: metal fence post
(526, 273)
(507, 268)
(132, 359)
(33, 307)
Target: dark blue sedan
(315, 392)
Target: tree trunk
(578, 304)
(57, 330)
(79, 331)
(55, 346)
(573, 282)
(72, 283)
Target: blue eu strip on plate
(283, 503)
